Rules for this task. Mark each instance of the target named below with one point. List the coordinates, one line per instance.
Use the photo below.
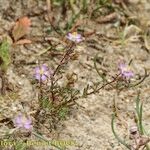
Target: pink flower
(75, 37)
(125, 71)
(42, 73)
(21, 121)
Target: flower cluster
(125, 71)
(23, 122)
(75, 37)
(42, 73)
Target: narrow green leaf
(84, 6)
(4, 55)
(97, 70)
(115, 134)
(46, 140)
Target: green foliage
(103, 2)
(46, 103)
(45, 139)
(102, 75)
(63, 112)
(139, 118)
(85, 6)
(139, 107)
(20, 146)
(71, 22)
(4, 55)
(57, 2)
(116, 135)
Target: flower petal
(43, 77)
(44, 67)
(78, 36)
(18, 121)
(37, 69)
(38, 76)
(70, 38)
(78, 40)
(128, 74)
(27, 124)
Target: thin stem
(95, 91)
(4, 81)
(142, 80)
(57, 68)
(41, 91)
(44, 139)
(115, 134)
(52, 89)
(63, 58)
(97, 70)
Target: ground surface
(89, 126)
